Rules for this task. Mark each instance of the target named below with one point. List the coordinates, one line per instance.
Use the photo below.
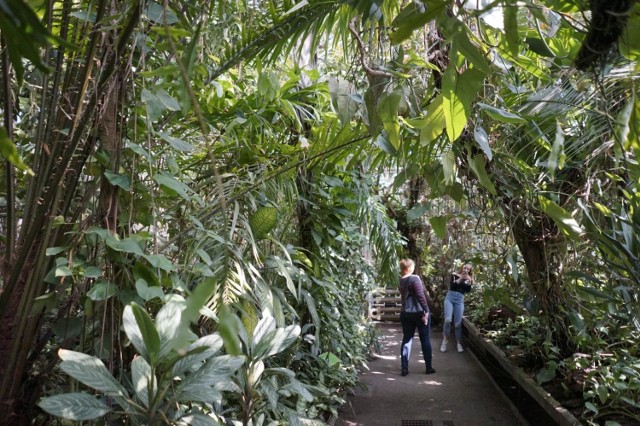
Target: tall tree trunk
(542, 247)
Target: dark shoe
(405, 371)
(430, 370)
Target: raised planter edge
(555, 410)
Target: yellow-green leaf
(434, 123)
(562, 218)
(263, 221)
(8, 151)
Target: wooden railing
(385, 305)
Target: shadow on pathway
(460, 393)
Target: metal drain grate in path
(424, 423)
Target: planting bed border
(488, 352)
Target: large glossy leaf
(266, 325)
(150, 335)
(439, 226)
(74, 406)
(481, 137)
(276, 341)
(167, 181)
(459, 91)
(435, 121)
(342, 98)
(263, 221)
(562, 218)
(126, 245)
(168, 325)
(197, 352)
(133, 332)
(216, 371)
(501, 115)
(477, 164)
(143, 381)
(90, 371)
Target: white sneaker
(460, 348)
(443, 346)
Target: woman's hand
(425, 318)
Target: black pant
(409, 321)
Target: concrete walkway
(460, 393)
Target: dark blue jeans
(410, 321)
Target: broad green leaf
(52, 251)
(68, 327)
(501, 115)
(141, 378)
(341, 93)
(449, 167)
(481, 137)
(92, 272)
(230, 328)
(603, 393)
(415, 16)
(439, 225)
(435, 121)
(126, 245)
(120, 180)
(330, 358)
(159, 261)
(176, 143)
(417, 211)
(148, 292)
(562, 218)
(458, 33)
(133, 332)
(167, 181)
(266, 325)
(160, 15)
(477, 164)
(10, 153)
(168, 325)
(629, 40)
(197, 352)
(263, 221)
(102, 290)
(63, 271)
(557, 155)
(198, 419)
(276, 341)
(90, 371)
(511, 26)
(148, 331)
(547, 373)
(459, 91)
(214, 373)
(388, 113)
(383, 143)
(74, 406)
(254, 373)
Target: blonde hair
(470, 268)
(407, 265)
